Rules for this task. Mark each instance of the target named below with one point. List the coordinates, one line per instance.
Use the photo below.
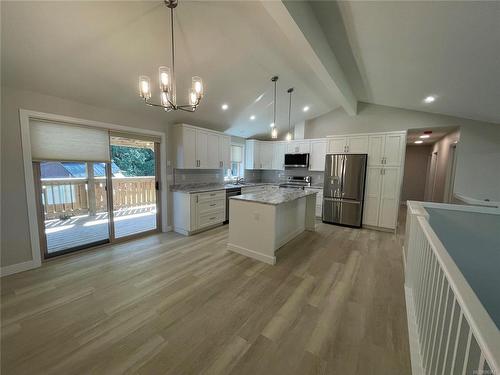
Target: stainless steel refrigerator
(344, 189)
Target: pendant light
(168, 100)
(289, 134)
(274, 130)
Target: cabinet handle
(220, 164)
(213, 204)
(213, 218)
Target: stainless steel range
(297, 182)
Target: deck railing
(455, 334)
(77, 196)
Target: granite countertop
(274, 198)
(202, 188)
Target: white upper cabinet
(252, 154)
(225, 151)
(266, 155)
(337, 145)
(298, 147)
(279, 156)
(375, 149)
(357, 144)
(386, 149)
(394, 149)
(213, 150)
(200, 148)
(317, 155)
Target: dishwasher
(230, 193)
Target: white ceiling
(93, 52)
(396, 53)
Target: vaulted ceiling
(333, 54)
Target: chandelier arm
(186, 108)
(157, 105)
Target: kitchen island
(261, 223)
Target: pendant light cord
(274, 102)
(289, 109)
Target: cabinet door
(372, 196)
(257, 160)
(292, 147)
(188, 157)
(393, 150)
(357, 144)
(304, 147)
(225, 151)
(201, 149)
(388, 212)
(213, 160)
(337, 145)
(375, 149)
(266, 155)
(279, 156)
(317, 156)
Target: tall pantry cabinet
(383, 179)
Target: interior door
(134, 175)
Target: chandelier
(274, 130)
(166, 78)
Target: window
(237, 169)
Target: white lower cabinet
(382, 197)
(196, 212)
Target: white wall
(478, 153)
(15, 240)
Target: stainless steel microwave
(296, 160)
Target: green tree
(134, 161)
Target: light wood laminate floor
(333, 304)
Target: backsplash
(281, 176)
(198, 176)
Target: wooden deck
(168, 304)
(84, 229)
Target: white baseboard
(252, 254)
(415, 358)
(18, 267)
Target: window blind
(67, 142)
(236, 154)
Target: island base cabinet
(257, 230)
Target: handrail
(484, 329)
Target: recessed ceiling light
(424, 136)
(418, 142)
(252, 117)
(306, 108)
(429, 99)
(224, 107)
(271, 124)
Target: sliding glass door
(73, 205)
(135, 186)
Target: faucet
(239, 181)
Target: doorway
(82, 204)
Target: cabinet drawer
(211, 218)
(211, 195)
(211, 205)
